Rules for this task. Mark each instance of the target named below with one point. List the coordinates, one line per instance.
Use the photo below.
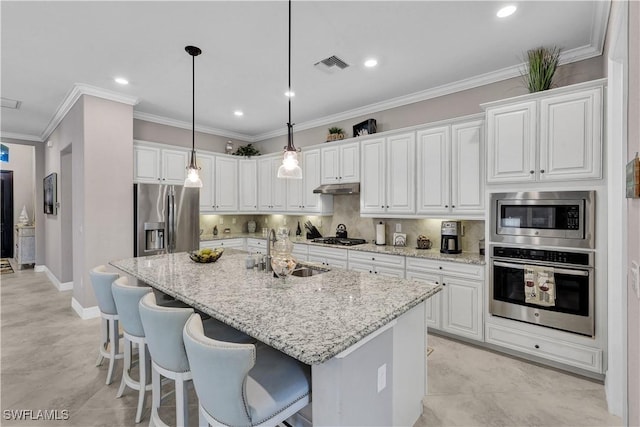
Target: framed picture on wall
(51, 194)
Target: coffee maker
(450, 237)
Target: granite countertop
(434, 254)
(311, 319)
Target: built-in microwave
(553, 218)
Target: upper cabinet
(219, 175)
(271, 190)
(340, 163)
(450, 175)
(388, 175)
(159, 165)
(248, 185)
(551, 136)
(300, 195)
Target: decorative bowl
(206, 257)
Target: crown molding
(74, 94)
(21, 136)
(187, 125)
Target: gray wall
(22, 163)
(154, 132)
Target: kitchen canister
(380, 234)
(251, 226)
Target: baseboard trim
(66, 286)
(84, 313)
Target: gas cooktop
(339, 241)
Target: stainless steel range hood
(353, 188)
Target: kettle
(341, 231)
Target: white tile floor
(48, 356)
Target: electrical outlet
(233, 220)
(284, 220)
(635, 278)
(382, 377)
(398, 228)
(461, 230)
(221, 221)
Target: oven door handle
(555, 269)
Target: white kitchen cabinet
(388, 175)
(271, 189)
(300, 196)
(550, 136)
(375, 263)
(300, 252)
(256, 245)
(25, 241)
(331, 257)
(458, 308)
(340, 163)
(450, 173)
(248, 185)
(159, 165)
(236, 243)
(219, 176)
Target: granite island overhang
(363, 335)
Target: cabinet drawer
(337, 253)
(376, 269)
(223, 243)
(257, 243)
(471, 271)
(376, 258)
(556, 350)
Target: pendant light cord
(193, 107)
(290, 146)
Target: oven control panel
(564, 257)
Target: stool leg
(156, 394)
(202, 420)
(143, 362)
(182, 403)
(126, 366)
(105, 338)
(112, 326)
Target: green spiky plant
(542, 65)
(335, 129)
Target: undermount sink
(306, 271)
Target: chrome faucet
(272, 232)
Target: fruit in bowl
(206, 255)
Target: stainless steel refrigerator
(166, 219)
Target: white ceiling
(424, 48)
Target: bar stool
(127, 299)
(244, 384)
(101, 281)
(163, 330)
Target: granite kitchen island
(363, 335)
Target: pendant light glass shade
(290, 168)
(193, 171)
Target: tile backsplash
(347, 211)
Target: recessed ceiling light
(370, 63)
(506, 11)
(290, 94)
(121, 81)
(238, 113)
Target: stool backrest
(219, 372)
(127, 299)
(101, 281)
(163, 330)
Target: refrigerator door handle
(171, 221)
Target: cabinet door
(174, 166)
(265, 177)
(432, 314)
(207, 192)
(462, 307)
(330, 164)
(467, 171)
(372, 187)
(350, 162)
(226, 173)
(571, 136)
(146, 164)
(401, 176)
(311, 202)
(511, 134)
(294, 193)
(248, 184)
(279, 185)
(433, 153)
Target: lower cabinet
(238, 243)
(300, 252)
(374, 263)
(256, 246)
(25, 241)
(331, 257)
(458, 308)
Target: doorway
(6, 214)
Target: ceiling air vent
(10, 103)
(331, 64)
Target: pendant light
(193, 171)
(290, 168)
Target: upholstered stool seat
(163, 330)
(244, 384)
(127, 299)
(101, 281)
